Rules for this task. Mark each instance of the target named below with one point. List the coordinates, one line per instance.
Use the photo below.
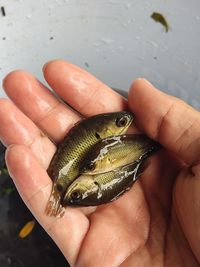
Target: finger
(187, 203)
(34, 186)
(39, 104)
(166, 119)
(81, 90)
(16, 128)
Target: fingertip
(46, 65)
(141, 82)
(138, 86)
(141, 100)
(52, 64)
(7, 78)
(149, 106)
(16, 75)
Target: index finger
(82, 90)
(167, 119)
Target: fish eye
(121, 122)
(76, 195)
(90, 166)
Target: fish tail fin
(54, 207)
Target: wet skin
(156, 223)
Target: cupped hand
(157, 222)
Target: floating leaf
(3, 11)
(26, 229)
(158, 17)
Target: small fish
(117, 151)
(67, 161)
(93, 190)
(158, 17)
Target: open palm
(157, 222)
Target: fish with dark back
(97, 162)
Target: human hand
(157, 222)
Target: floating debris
(27, 229)
(158, 17)
(8, 190)
(3, 171)
(87, 65)
(3, 11)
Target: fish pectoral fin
(140, 168)
(96, 183)
(99, 187)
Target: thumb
(167, 119)
(186, 199)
